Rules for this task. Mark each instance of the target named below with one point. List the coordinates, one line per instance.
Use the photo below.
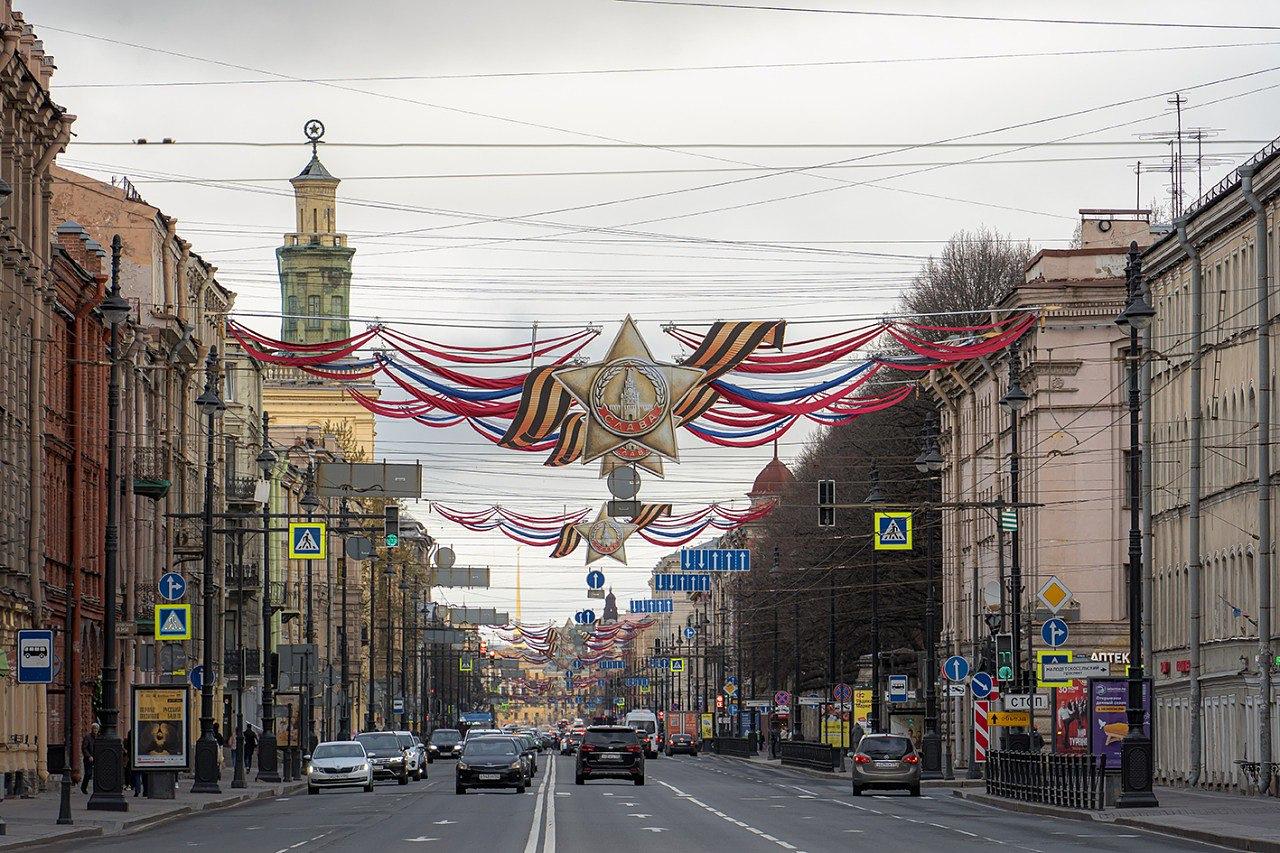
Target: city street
(687, 804)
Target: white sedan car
(339, 764)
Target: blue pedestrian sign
(35, 656)
(897, 688)
(595, 579)
(173, 621)
(980, 684)
(690, 632)
(956, 668)
(308, 540)
(173, 586)
(1054, 632)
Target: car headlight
(462, 765)
(434, 748)
(516, 765)
(360, 768)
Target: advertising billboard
(160, 716)
(1107, 726)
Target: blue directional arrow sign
(690, 632)
(956, 668)
(980, 684)
(595, 579)
(196, 676)
(172, 586)
(1054, 632)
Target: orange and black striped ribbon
(569, 539)
(569, 446)
(696, 403)
(726, 344)
(543, 405)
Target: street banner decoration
(160, 721)
(1107, 721)
(624, 409)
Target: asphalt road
(687, 804)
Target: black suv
(610, 751)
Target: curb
(69, 835)
(839, 777)
(1254, 845)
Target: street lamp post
(310, 503)
(1136, 759)
(237, 771)
(1013, 400)
(930, 462)
(206, 752)
(268, 766)
(344, 708)
(108, 750)
(390, 572)
(873, 716)
(404, 651)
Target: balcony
(242, 578)
(188, 537)
(240, 490)
(151, 477)
(252, 662)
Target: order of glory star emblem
(629, 398)
(605, 537)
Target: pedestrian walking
(250, 746)
(133, 774)
(86, 756)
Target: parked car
(386, 755)
(414, 754)
(682, 743)
(886, 761)
(339, 764)
(491, 762)
(444, 743)
(610, 751)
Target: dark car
(386, 755)
(531, 748)
(444, 743)
(490, 762)
(681, 742)
(610, 751)
(886, 761)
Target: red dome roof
(772, 479)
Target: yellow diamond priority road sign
(1054, 594)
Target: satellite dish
(624, 483)
(445, 558)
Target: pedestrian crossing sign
(307, 540)
(676, 664)
(893, 531)
(173, 622)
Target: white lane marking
(549, 830)
(681, 794)
(563, 794)
(422, 838)
(302, 842)
(252, 827)
(966, 832)
(639, 814)
(535, 828)
(655, 829)
(853, 830)
(443, 822)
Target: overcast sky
(584, 253)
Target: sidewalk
(761, 759)
(1230, 820)
(33, 821)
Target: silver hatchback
(886, 761)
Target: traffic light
(826, 503)
(719, 703)
(1004, 657)
(391, 524)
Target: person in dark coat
(86, 756)
(250, 746)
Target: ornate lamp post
(108, 750)
(1013, 400)
(1136, 758)
(930, 463)
(310, 503)
(873, 498)
(206, 751)
(268, 768)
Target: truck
(683, 722)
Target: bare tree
(973, 270)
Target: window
(313, 312)
(291, 314)
(335, 306)
(229, 385)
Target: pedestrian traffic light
(391, 524)
(1004, 657)
(826, 503)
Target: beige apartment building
(1211, 671)
(1072, 436)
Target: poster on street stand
(1071, 719)
(288, 719)
(160, 716)
(1107, 725)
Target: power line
(999, 19)
(675, 146)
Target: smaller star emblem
(605, 537)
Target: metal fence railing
(800, 753)
(739, 747)
(1073, 781)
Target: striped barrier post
(981, 730)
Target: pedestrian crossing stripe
(173, 622)
(308, 540)
(893, 531)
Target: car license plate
(490, 777)
(610, 757)
(886, 765)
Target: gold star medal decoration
(605, 537)
(629, 398)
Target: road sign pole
(206, 751)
